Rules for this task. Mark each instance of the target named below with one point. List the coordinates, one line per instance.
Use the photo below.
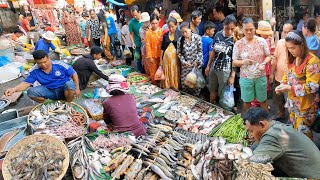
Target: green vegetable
(138, 78)
(233, 130)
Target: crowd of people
(230, 53)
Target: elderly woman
(190, 55)
(120, 109)
(69, 22)
(251, 54)
(301, 81)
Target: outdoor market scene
(159, 89)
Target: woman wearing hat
(145, 19)
(71, 28)
(120, 109)
(265, 31)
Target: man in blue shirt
(54, 77)
(45, 43)
(305, 17)
(112, 31)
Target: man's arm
(211, 55)
(132, 40)
(21, 87)
(94, 68)
(76, 81)
(269, 145)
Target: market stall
(187, 138)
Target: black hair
(117, 92)
(39, 54)
(219, 9)
(95, 50)
(209, 25)
(195, 14)
(230, 19)
(311, 25)
(85, 14)
(27, 14)
(134, 8)
(154, 17)
(18, 31)
(91, 10)
(254, 115)
(303, 43)
(247, 21)
(172, 19)
(183, 25)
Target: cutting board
(14, 97)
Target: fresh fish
(123, 167)
(157, 170)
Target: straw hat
(145, 17)
(176, 16)
(48, 35)
(264, 28)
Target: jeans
(112, 49)
(139, 63)
(53, 94)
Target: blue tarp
(116, 3)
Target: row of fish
(217, 150)
(86, 161)
(162, 154)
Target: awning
(116, 3)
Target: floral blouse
(153, 43)
(94, 26)
(143, 31)
(192, 51)
(256, 52)
(304, 82)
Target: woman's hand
(207, 71)
(282, 88)
(231, 80)
(262, 66)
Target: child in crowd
(207, 49)
(207, 44)
(82, 24)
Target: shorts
(218, 80)
(255, 88)
(53, 94)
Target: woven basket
(96, 117)
(73, 104)
(17, 149)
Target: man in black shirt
(85, 65)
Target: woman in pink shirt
(120, 110)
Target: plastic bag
(159, 74)
(126, 52)
(227, 99)
(201, 82)
(136, 55)
(191, 79)
(4, 60)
